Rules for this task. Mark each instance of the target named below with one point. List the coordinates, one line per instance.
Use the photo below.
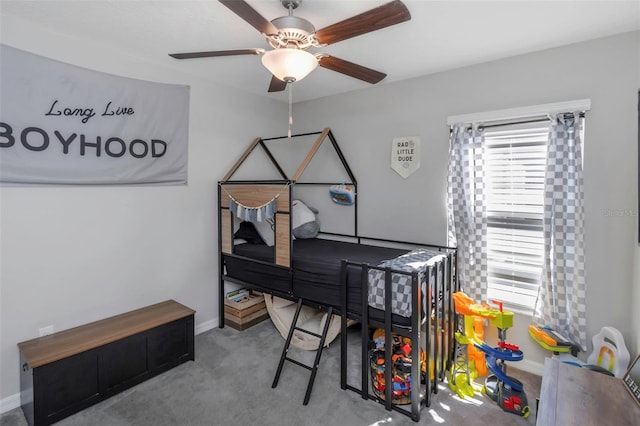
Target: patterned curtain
(561, 298)
(466, 208)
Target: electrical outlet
(45, 331)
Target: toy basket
(400, 374)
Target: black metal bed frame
(439, 342)
(440, 290)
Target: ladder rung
(319, 336)
(298, 363)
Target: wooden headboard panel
(254, 195)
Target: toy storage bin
(400, 374)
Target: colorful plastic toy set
(401, 365)
(507, 391)
(609, 356)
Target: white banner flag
(62, 124)
(405, 155)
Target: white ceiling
(441, 35)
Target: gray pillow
(304, 220)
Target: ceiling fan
(291, 37)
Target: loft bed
(336, 272)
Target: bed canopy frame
(257, 193)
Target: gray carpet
(230, 384)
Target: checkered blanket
(416, 260)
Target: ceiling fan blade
(216, 53)
(375, 19)
(249, 14)
(277, 85)
(351, 69)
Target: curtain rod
(522, 112)
(514, 122)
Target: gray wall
(605, 70)
(74, 255)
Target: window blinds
(515, 165)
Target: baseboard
(529, 366)
(9, 403)
(206, 326)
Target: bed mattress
(316, 270)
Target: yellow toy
(505, 390)
(609, 355)
(470, 362)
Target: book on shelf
(237, 294)
(241, 297)
(244, 301)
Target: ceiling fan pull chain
(290, 110)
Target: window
(515, 168)
(508, 187)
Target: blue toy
(342, 194)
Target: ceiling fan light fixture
(289, 64)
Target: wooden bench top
(63, 344)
